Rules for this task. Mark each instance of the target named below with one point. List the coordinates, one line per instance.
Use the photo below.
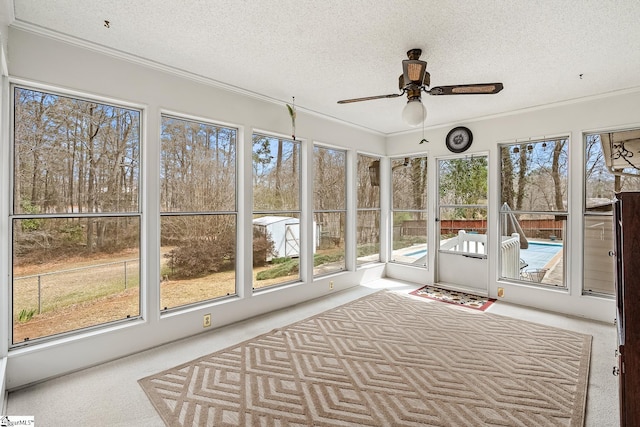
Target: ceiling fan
(415, 79)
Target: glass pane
(538, 250)
(464, 230)
(91, 275)
(74, 156)
(600, 183)
(329, 186)
(409, 181)
(276, 249)
(599, 267)
(368, 181)
(368, 236)
(463, 181)
(600, 188)
(534, 176)
(197, 167)
(330, 253)
(410, 238)
(198, 254)
(620, 151)
(533, 179)
(512, 240)
(276, 174)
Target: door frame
(476, 267)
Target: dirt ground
(123, 304)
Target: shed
(285, 233)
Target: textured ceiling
(322, 51)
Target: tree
(522, 175)
(464, 182)
(507, 177)
(275, 174)
(69, 156)
(556, 174)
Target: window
(409, 210)
(534, 212)
(75, 214)
(600, 186)
(277, 247)
(198, 211)
(368, 213)
(329, 213)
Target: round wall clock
(459, 139)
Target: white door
(461, 223)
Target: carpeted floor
(385, 359)
(454, 297)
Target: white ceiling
(544, 51)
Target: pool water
(417, 254)
(538, 254)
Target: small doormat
(454, 297)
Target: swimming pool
(417, 254)
(538, 254)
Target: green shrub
(72, 233)
(281, 269)
(287, 266)
(327, 258)
(26, 315)
(30, 224)
(368, 249)
(280, 260)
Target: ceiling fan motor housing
(414, 53)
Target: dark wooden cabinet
(627, 252)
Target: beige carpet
(385, 360)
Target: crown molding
(118, 54)
(522, 110)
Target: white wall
(61, 65)
(6, 17)
(615, 111)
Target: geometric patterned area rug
(454, 297)
(385, 360)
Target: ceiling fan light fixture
(413, 71)
(414, 112)
(415, 80)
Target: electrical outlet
(331, 285)
(500, 292)
(206, 321)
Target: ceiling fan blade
(474, 89)
(368, 98)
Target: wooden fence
(533, 228)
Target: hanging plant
(292, 114)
